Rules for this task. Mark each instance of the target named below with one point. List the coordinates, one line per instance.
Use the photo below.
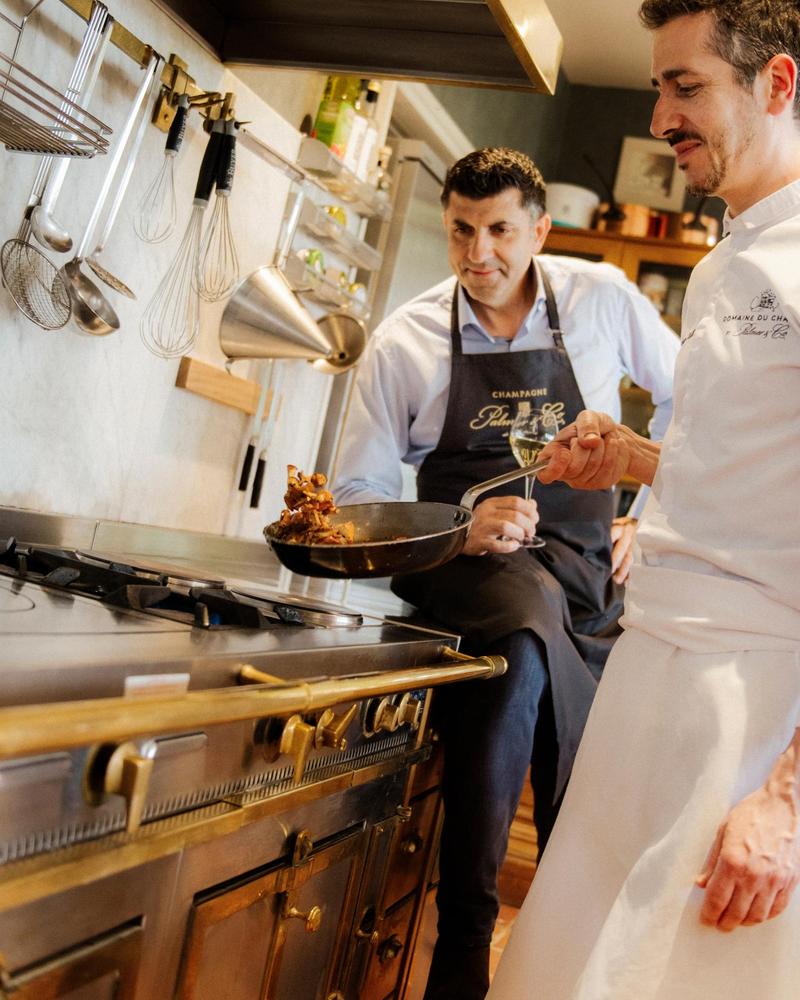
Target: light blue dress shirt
(400, 394)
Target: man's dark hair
(487, 172)
(746, 34)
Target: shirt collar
(773, 208)
(468, 322)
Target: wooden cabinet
(638, 257)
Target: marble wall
(95, 426)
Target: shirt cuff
(636, 508)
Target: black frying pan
(391, 537)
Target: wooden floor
(501, 932)
(427, 938)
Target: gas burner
(162, 574)
(319, 613)
(165, 591)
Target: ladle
(99, 269)
(91, 310)
(46, 229)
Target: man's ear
(780, 74)
(540, 230)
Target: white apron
(702, 692)
(674, 739)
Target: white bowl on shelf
(571, 205)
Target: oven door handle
(33, 729)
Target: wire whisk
(218, 264)
(171, 322)
(157, 212)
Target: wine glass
(531, 430)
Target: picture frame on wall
(648, 174)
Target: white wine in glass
(530, 432)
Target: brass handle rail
(33, 729)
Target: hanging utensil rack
(37, 118)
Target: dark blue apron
(562, 592)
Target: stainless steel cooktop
(80, 624)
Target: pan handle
(472, 494)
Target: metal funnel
(265, 319)
(347, 337)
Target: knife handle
(247, 465)
(258, 480)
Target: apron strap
(552, 310)
(552, 316)
(455, 333)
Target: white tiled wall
(96, 426)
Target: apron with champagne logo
(563, 592)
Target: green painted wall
(532, 123)
(557, 131)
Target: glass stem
(528, 487)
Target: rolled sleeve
(375, 434)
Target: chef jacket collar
(776, 206)
(468, 322)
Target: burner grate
(179, 595)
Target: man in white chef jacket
(672, 870)
(438, 388)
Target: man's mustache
(677, 137)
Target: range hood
(511, 44)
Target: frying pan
(392, 537)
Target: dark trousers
(491, 732)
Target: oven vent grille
(243, 790)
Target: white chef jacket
(719, 561)
(402, 384)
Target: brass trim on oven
(33, 729)
(45, 875)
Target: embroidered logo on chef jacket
(766, 300)
(765, 319)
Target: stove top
(155, 588)
(83, 624)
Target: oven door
(277, 934)
(103, 968)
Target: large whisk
(218, 264)
(157, 212)
(171, 322)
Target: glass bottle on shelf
(380, 177)
(337, 112)
(368, 154)
(358, 130)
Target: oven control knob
(331, 728)
(387, 717)
(297, 739)
(410, 711)
(119, 769)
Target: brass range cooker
(203, 780)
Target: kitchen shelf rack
(317, 159)
(330, 233)
(36, 117)
(306, 281)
